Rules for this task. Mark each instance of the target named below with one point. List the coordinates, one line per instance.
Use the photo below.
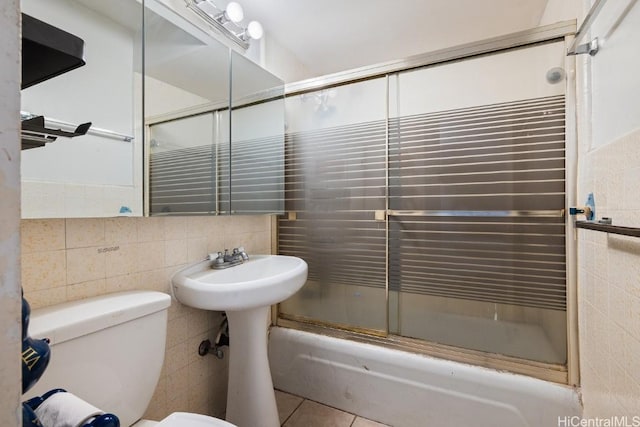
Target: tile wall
(609, 283)
(70, 259)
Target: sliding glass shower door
(335, 179)
(429, 203)
(477, 188)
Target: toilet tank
(107, 350)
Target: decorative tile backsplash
(74, 258)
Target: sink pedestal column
(251, 401)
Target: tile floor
(295, 411)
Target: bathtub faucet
(226, 259)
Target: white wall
(282, 62)
(163, 98)
(559, 10)
(614, 74)
(10, 215)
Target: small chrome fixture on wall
(601, 22)
(227, 21)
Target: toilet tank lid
(71, 320)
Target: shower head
(556, 75)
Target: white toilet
(109, 352)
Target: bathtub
(403, 389)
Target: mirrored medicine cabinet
(180, 124)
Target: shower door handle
(553, 213)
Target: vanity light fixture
(227, 21)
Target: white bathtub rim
(518, 397)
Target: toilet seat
(186, 419)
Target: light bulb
(254, 30)
(234, 12)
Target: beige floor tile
(287, 403)
(363, 422)
(312, 414)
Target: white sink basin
(245, 292)
(263, 280)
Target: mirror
(162, 145)
(257, 139)
(203, 161)
(186, 114)
(98, 173)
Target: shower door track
(544, 371)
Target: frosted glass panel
(183, 166)
(476, 187)
(335, 181)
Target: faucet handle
(216, 258)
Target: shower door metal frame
(569, 374)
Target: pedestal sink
(245, 292)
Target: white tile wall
(609, 283)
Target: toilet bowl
(109, 351)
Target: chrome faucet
(226, 259)
(242, 253)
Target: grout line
(355, 416)
(294, 411)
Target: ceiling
(335, 35)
